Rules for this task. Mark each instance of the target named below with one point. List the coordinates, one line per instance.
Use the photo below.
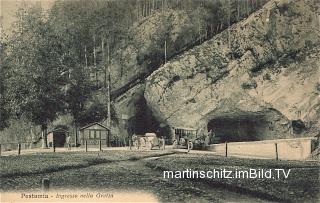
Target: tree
(94, 112)
(77, 93)
(4, 114)
(36, 63)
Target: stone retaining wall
(288, 149)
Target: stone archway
(144, 121)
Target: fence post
(226, 144)
(45, 184)
(100, 145)
(277, 155)
(86, 145)
(19, 148)
(130, 144)
(54, 147)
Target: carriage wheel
(175, 144)
(136, 144)
(149, 145)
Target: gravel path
(126, 176)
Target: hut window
(98, 134)
(103, 134)
(92, 134)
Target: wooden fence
(17, 147)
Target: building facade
(95, 133)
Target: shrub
(173, 80)
(317, 86)
(249, 85)
(267, 76)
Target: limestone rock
(262, 73)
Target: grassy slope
(302, 184)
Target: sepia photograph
(196, 101)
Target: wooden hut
(94, 133)
(57, 137)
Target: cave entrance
(237, 127)
(145, 122)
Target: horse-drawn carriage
(189, 138)
(147, 141)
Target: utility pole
(108, 88)
(95, 59)
(85, 56)
(238, 10)
(107, 81)
(199, 23)
(229, 41)
(103, 62)
(107, 77)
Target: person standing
(68, 141)
(208, 137)
(173, 134)
(163, 142)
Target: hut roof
(58, 130)
(185, 128)
(95, 123)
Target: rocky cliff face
(257, 80)
(144, 50)
(170, 31)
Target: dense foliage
(4, 114)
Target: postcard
(159, 101)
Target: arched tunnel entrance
(145, 122)
(247, 126)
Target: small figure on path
(212, 136)
(135, 141)
(173, 134)
(162, 143)
(207, 138)
(68, 142)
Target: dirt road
(131, 176)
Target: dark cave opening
(238, 127)
(298, 126)
(145, 122)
